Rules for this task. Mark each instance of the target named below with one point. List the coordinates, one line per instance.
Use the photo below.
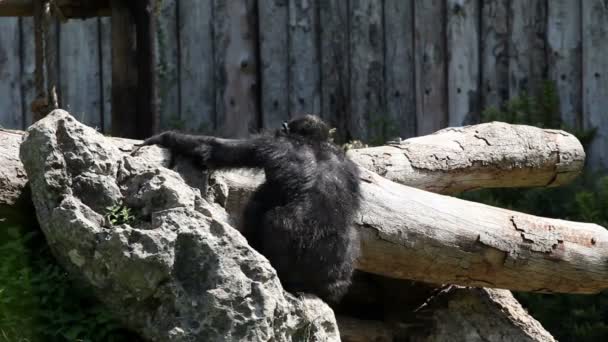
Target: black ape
(301, 218)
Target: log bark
(482, 156)
(408, 233)
(413, 234)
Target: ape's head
(308, 126)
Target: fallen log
(413, 234)
(492, 155)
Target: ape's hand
(162, 139)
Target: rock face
(152, 248)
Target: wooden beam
(148, 116)
(68, 8)
(124, 71)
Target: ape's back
(301, 219)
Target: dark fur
(301, 218)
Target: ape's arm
(219, 153)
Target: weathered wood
(564, 57)
(147, 115)
(413, 234)
(105, 48)
(399, 68)
(527, 59)
(430, 52)
(304, 72)
(167, 63)
(10, 77)
(463, 38)
(28, 67)
(124, 71)
(69, 8)
(494, 53)
(196, 71)
(235, 36)
(489, 155)
(274, 54)
(367, 105)
(80, 74)
(595, 78)
(335, 66)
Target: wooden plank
(167, 63)
(527, 59)
(105, 46)
(463, 38)
(10, 77)
(196, 73)
(335, 66)
(367, 105)
(564, 57)
(494, 53)
(69, 8)
(304, 71)
(235, 39)
(124, 72)
(430, 53)
(399, 64)
(274, 72)
(79, 75)
(595, 79)
(148, 116)
(28, 68)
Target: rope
(38, 106)
(49, 51)
(46, 97)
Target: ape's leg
(220, 153)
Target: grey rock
(174, 270)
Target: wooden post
(148, 116)
(134, 69)
(124, 72)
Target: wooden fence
(375, 69)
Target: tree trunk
(489, 155)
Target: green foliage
(120, 214)
(542, 111)
(382, 128)
(567, 317)
(38, 302)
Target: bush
(568, 317)
(38, 302)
